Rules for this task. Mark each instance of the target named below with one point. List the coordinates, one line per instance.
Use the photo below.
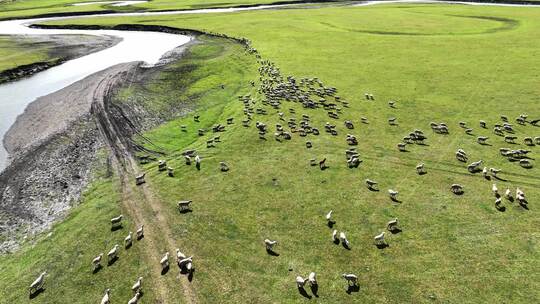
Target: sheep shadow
(97, 269)
(314, 290)
(36, 293)
(331, 224)
(184, 211)
(345, 246)
(336, 241)
(422, 173)
(111, 262)
(373, 189)
(303, 292)
(190, 275)
(524, 205)
(117, 227)
(353, 288)
(324, 167)
(500, 179)
(497, 195)
(165, 269)
(140, 237)
(395, 231)
(272, 252)
(487, 177)
(395, 200)
(382, 246)
(501, 209)
(198, 166)
(128, 245)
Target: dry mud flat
(60, 48)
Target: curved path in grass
(15, 96)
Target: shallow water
(135, 46)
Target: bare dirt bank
(60, 48)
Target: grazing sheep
(494, 189)
(420, 169)
(184, 205)
(164, 261)
(135, 298)
(162, 165)
(343, 239)
(463, 124)
(485, 172)
(140, 232)
(197, 160)
(270, 244)
(525, 163)
(113, 253)
(392, 225)
(322, 164)
(223, 167)
(498, 203)
(105, 299)
(170, 172)
(300, 282)
(352, 280)
(392, 103)
(187, 159)
(312, 279)
(482, 139)
(456, 188)
(179, 255)
(334, 236)
(371, 184)
(402, 147)
(494, 172)
(508, 194)
(38, 283)
(139, 179)
(393, 194)
(329, 216)
(537, 140)
(186, 263)
(473, 167)
(510, 139)
(117, 221)
(137, 286)
(364, 120)
(528, 141)
(461, 155)
(96, 262)
(392, 121)
(482, 124)
(128, 239)
(379, 239)
(469, 131)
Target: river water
(135, 46)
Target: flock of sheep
(275, 89)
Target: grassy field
(441, 63)
(15, 53)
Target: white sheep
(456, 188)
(184, 205)
(186, 263)
(498, 203)
(393, 194)
(508, 194)
(113, 253)
(420, 168)
(128, 240)
(329, 216)
(300, 282)
(117, 220)
(495, 189)
(96, 262)
(402, 147)
(485, 172)
(392, 225)
(270, 244)
(135, 298)
(140, 232)
(334, 236)
(371, 184)
(352, 279)
(38, 283)
(343, 239)
(312, 279)
(105, 299)
(164, 261)
(379, 239)
(137, 286)
(179, 255)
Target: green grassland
(442, 63)
(14, 53)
